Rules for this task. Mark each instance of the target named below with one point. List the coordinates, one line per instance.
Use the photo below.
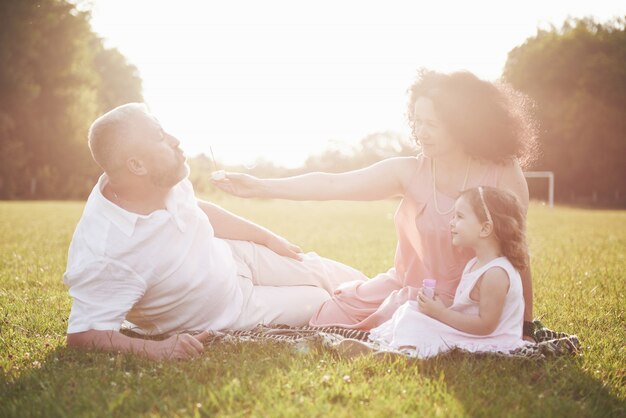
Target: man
(147, 251)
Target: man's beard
(168, 177)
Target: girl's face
(429, 132)
(465, 226)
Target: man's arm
(182, 346)
(227, 225)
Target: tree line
(576, 74)
(56, 77)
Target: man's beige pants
(281, 290)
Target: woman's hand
(431, 307)
(283, 247)
(239, 184)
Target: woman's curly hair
(509, 221)
(492, 120)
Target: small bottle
(428, 287)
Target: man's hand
(428, 306)
(179, 347)
(283, 247)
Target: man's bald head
(111, 134)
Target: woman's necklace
(434, 169)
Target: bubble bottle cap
(429, 283)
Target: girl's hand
(239, 184)
(428, 306)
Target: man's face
(160, 154)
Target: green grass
(578, 266)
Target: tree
(55, 78)
(577, 76)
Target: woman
(472, 133)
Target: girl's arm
(494, 285)
(384, 179)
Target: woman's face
(429, 131)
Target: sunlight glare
(279, 80)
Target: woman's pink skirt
(364, 304)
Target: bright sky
(280, 79)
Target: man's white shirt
(165, 272)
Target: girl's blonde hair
(508, 218)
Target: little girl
(488, 307)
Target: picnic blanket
(549, 343)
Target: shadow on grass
(256, 379)
(488, 385)
(71, 382)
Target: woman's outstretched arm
(382, 180)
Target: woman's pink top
(424, 251)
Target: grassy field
(578, 266)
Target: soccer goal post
(544, 174)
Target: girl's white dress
(427, 337)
